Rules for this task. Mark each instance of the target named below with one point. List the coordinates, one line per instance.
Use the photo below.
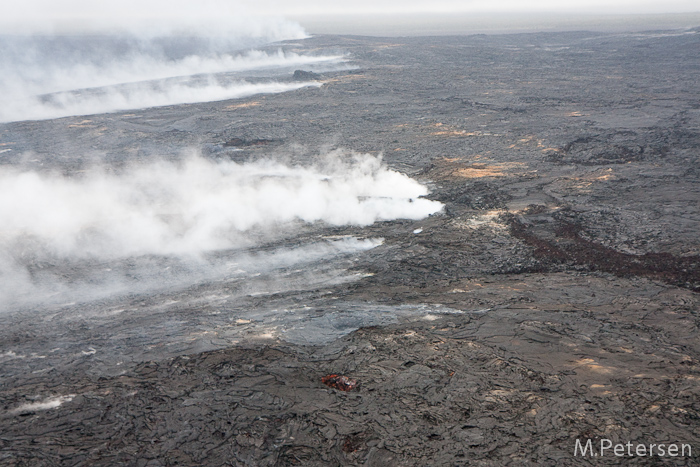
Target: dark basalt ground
(568, 165)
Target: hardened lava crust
(560, 281)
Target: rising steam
(189, 208)
(132, 60)
(198, 205)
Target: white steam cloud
(198, 205)
(51, 76)
(188, 209)
(131, 62)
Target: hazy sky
(28, 10)
(587, 6)
(29, 16)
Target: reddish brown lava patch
(342, 383)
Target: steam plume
(190, 208)
(129, 61)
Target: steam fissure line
(137, 96)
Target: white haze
(629, 7)
(36, 83)
(57, 76)
(246, 271)
(45, 74)
(187, 209)
(223, 18)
